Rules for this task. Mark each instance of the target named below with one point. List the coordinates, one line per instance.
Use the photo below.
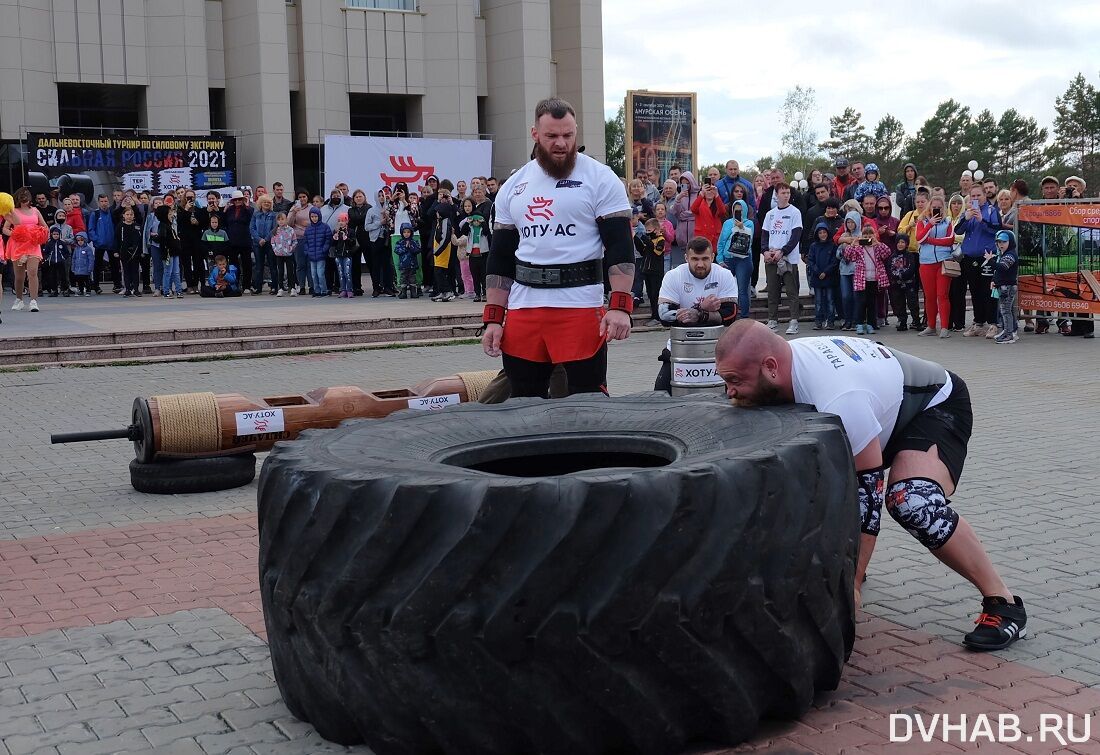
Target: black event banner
(156, 164)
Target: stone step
(261, 340)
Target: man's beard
(766, 394)
(554, 169)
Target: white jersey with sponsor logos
(556, 220)
(681, 287)
(858, 380)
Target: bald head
(755, 364)
(747, 340)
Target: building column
(517, 50)
(177, 99)
(28, 91)
(576, 33)
(449, 106)
(323, 48)
(257, 89)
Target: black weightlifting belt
(560, 276)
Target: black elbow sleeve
(502, 253)
(728, 312)
(617, 240)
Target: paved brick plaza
(131, 622)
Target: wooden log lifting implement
(196, 425)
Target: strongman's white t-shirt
(856, 379)
(556, 220)
(681, 287)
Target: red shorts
(553, 334)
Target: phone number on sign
(1052, 305)
(1001, 728)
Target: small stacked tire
(582, 575)
(205, 475)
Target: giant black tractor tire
(582, 575)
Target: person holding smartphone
(936, 238)
(980, 222)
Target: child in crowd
(848, 233)
(316, 242)
(903, 270)
(344, 246)
(869, 255)
(468, 284)
(128, 239)
(477, 250)
(443, 233)
(170, 250)
(152, 245)
(407, 250)
(650, 243)
(223, 281)
(213, 240)
(68, 233)
(1005, 271)
(823, 275)
(282, 244)
(55, 258)
(83, 264)
(74, 215)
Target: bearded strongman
(561, 221)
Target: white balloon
(798, 176)
(979, 175)
(968, 173)
(973, 165)
(803, 184)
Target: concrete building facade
(282, 74)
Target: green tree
(847, 136)
(767, 162)
(981, 143)
(614, 132)
(798, 138)
(887, 149)
(938, 146)
(1019, 147)
(1077, 129)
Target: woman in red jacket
(710, 212)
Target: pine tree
(1019, 147)
(887, 147)
(981, 143)
(937, 147)
(1077, 129)
(847, 136)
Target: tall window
(382, 4)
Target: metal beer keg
(692, 359)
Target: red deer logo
(539, 208)
(413, 173)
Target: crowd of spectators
(867, 248)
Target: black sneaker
(1000, 624)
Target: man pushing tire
(562, 221)
(901, 413)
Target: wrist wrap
(493, 314)
(622, 300)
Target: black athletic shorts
(946, 426)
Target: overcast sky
(879, 57)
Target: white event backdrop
(370, 162)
